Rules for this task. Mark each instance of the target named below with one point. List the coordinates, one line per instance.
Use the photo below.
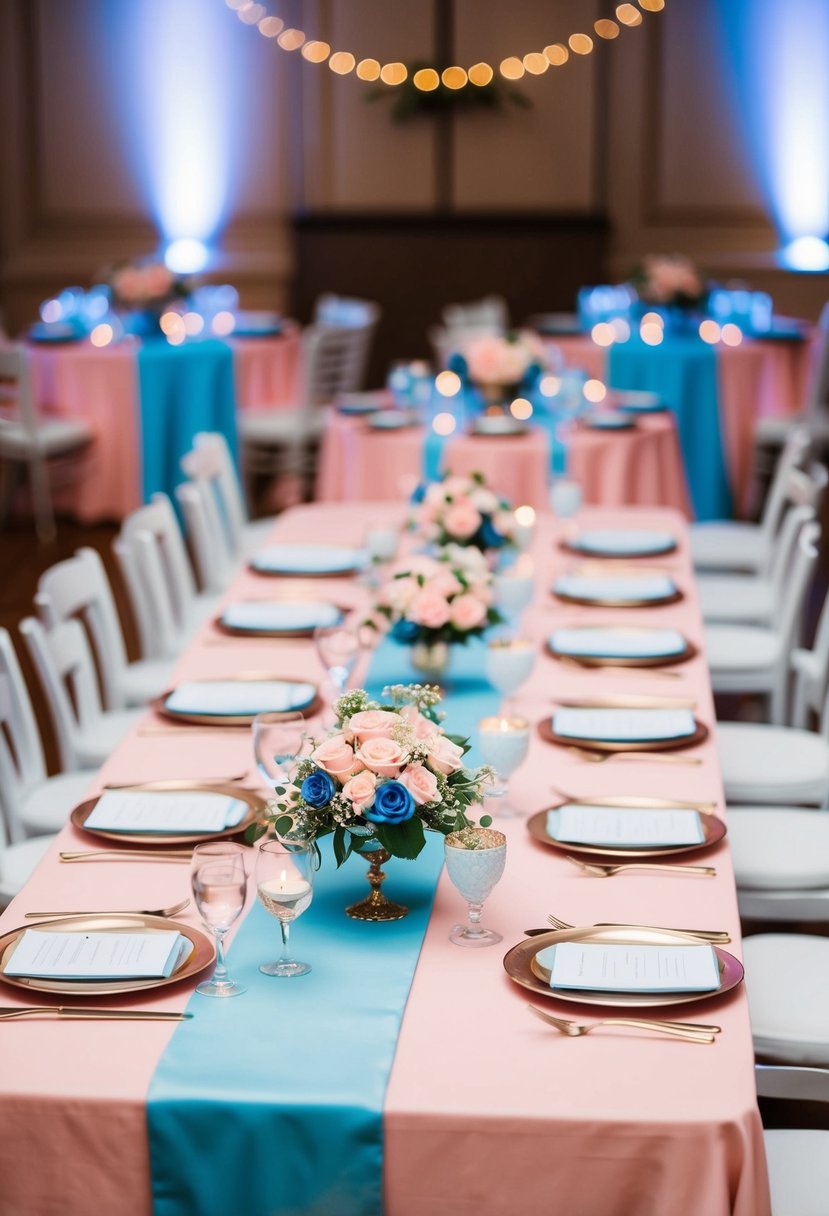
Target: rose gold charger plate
(203, 718)
(257, 806)
(610, 602)
(522, 967)
(713, 828)
(201, 954)
(305, 631)
(700, 733)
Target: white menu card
(165, 811)
(97, 956)
(625, 827)
(627, 968)
(624, 725)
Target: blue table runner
(271, 1103)
(182, 390)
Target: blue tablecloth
(683, 371)
(271, 1103)
(182, 390)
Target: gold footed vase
(376, 906)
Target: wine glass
(513, 587)
(219, 883)
(278, 740)
(284, 884)
(337, 647)
(503, 743)
(380, 545)
(475, 859)
(508, 664)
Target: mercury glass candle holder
(475, 859)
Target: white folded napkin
(97, 955)
(239, 697)
(308, 559)
(624, 725)
(280, 616)
(624, 542)
(597, 587)
(159, 811)
(625, 827)
(620, 643)
(600, 967)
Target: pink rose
(429, 609)
(421, 784)
(445, 583)
(423, 727)
(444, 756)
(467, 612)
(372, 724)
(360, 790)
(383, 756)
(461, 519)
(336, 756)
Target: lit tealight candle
(524, 526)
(282, 895)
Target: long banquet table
(487, 1111)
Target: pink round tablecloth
(100, 386)
(642, 466)
(757, 379)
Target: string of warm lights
(427, 79)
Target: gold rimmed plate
(643, 550)
(618, 601)
(522, 967)
(699, 734)
(256, 805)
(713, 828)
(286, 561)
(241, 718)
(688, 651)
(201, 954)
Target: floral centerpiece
(145, 287)
(386, 774)
(500, 364)
(671, 280)
(464, 511)
(432, 602)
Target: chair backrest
(334, 361)
(79, 587)
(14, 367)
(783, 556)
(156, 569)
(817, 397)
(792, 1083)
(210, 462)
(794, 453)
(64, 663)
(811, 668)
(789, 611)
(214, 562)
(21, 755)
(347, 311)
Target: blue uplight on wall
(777, 52)
(180, 87)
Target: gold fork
(718, 936)
(691, 1032)
(598, 870)
(171, 911)
(584, 753)
(630, 670)
(128, 855)
(9, 1012)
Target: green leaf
(340, 851)
(485, 821)
(404, 840)
(255, 831)
(283, 825)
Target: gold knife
(8, 1012)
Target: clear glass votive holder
(503, 742)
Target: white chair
(31, 802)
(211, 464)
(755, 658)
(86, 733)
(283, 440)
(17, 864)
(797, 1158)
(750, 599)
(153, 560)
(79, 587)
(462, 323)
(787, 981)
(46, 446)
(207, 539)
(814, 417)
(781, 862)
(736, 545)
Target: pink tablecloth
(487, 1111)
(101, 387)
(756, 379)
(639, 467)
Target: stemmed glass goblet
(508, 664)
(338, 647)
(503, 742)
(285, 886)
(475, 859)
(278, 740)
(219, 883)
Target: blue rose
(392, 804)
(490, 537)
(317, 789)
(458, 365)
(419, 493)
(405, 631)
